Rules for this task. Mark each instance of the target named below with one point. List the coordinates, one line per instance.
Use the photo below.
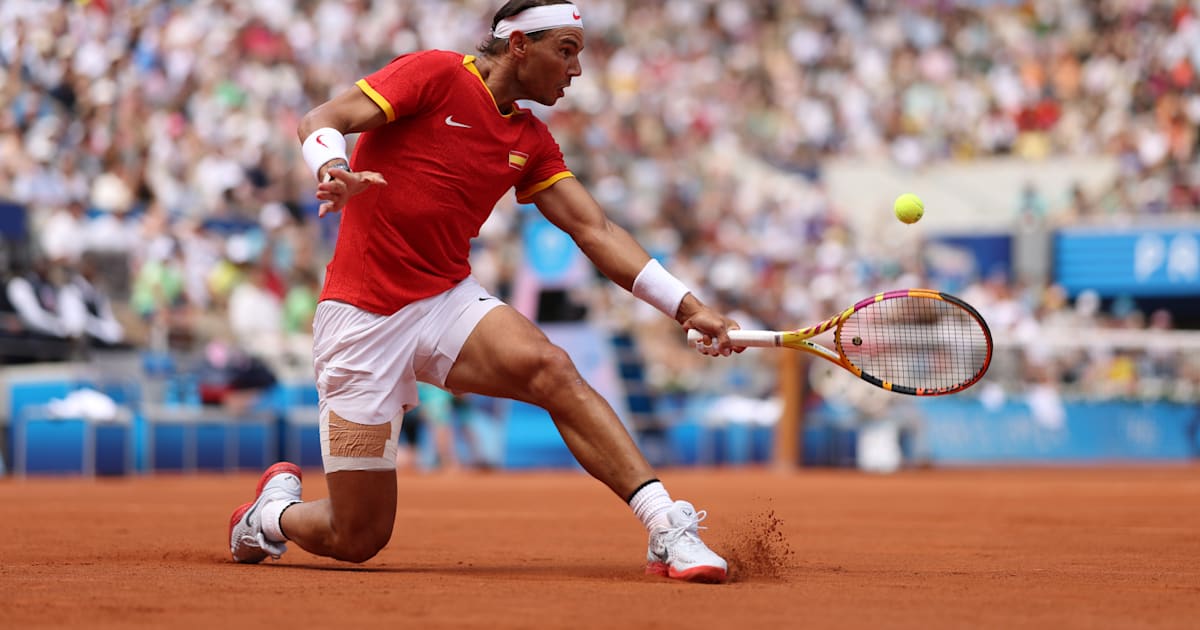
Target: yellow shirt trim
(469, 64)
(378, 98)
(524, 196)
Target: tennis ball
(909, 208)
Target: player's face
(553, 62)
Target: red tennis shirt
(448, 155)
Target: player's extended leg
(507, 356)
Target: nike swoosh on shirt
(454, 123)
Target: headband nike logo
(453, 123)
(575, 15)
(320, 142)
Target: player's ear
(518, 44)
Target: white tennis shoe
(247, 543)
(677, 551)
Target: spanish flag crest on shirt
(517, 160)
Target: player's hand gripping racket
(914, 341)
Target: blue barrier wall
(957, 430)
(964, 431)
(950, 431)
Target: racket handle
(748, 338)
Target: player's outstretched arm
(568, 205)
(322, 136)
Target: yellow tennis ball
(909, 208)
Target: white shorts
(367, 367)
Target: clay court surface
(1060, 548)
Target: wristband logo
(320, 142)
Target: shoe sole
(702, 574)
(275, 469)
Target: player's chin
(553, 98)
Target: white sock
(650, 504)
(271, 513)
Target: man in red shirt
(442, 141)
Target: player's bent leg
(353, 524)
(356, 521)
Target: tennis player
(442, 140)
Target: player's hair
(493, 45)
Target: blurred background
(161, 253)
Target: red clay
(1061, 548)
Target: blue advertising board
(964, 431)
(990, 254)
(1137, 262)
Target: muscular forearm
(614, 252)
(622, 259)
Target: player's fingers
(330, 191)
(704, 345)
(371, 177)
(736, 348)
(342, 175)
(723, 345)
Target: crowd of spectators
(156, 139)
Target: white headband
(536, 19)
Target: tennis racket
(919, 342)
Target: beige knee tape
(348, 445)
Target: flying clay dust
(757, 549)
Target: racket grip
(748, 338)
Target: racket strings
(916, 342)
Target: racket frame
(799, 340)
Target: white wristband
(658, 288)
(321, 146)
